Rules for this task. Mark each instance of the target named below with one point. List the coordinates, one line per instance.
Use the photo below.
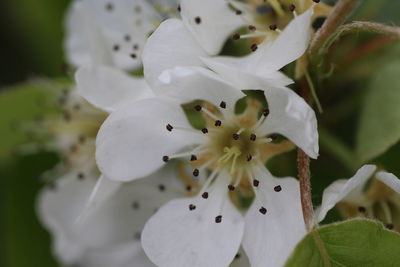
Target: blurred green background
(32, 31)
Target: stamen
(218, 123)
(169, 127)
(277, 188)
(231, 187)
(253, 137)
(362, 209)
(197, 20)
(193, 158)
(196, 172)
(249, 157)
(206, 111)
(263, 210)
(256, 182)
(273, 27)
(204, 195)
(265, 140)
(165, 158)
(192, 207)
(204, 130)
(222, 105)
(218, 219)
(252, 27)
(236, 36)
(253, 47)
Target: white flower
(230, 151)
(173, 45)
(110, 234)
(380, 201)
(112, 32)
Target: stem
(303, 165)
(313, 92)
(339, 14)
(372, 27)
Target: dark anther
(169, 127)
(292, 7)
(197, 108)
(204, 130)
(390, 226)
(135, 205)
(197, 20)
(189, 188)
(196, 172)
(222, 104)
(235, 136)
(273, 137)
(161, 187)
(165, 158)
(273, 27)
(316, 1)
(231, 187)
(193, 158)
(277, 188)
(116, 47)
(266, 112)
(249, 157)
(81, 176)
(192, 207)
(238, 12)
(218, 219)
(218, 123)
(205, 195)
(252, 27)
(109, 7)
(127, 38)
(237, 256)
(236, 36)
(256, 182)
(362, 209)
(263, 210)
(253, 137)
(253, 47)
(179, 8)
(133, 55)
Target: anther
(192, 207)
(273, 27)
(253, 47)
(218, 219)
(277, 188)
(253, 137)
(222, 104)
(197, 108)
(263, 210)
(231, 187)
(249, 157)
(196, 172)
(238, 12)
(161, 187)
(252, 27)
(193, 158)
(389, 226)
(188, 188)
(256, 182)
(273, 137)
(205, 195)
(204, 130)
(235, 136)
(236, 36)
(127, 38)
(292, 7)
(316, 1)
(135, 205)
(165, 158)
(133, 55)
(197, 20)
(169, 127)
(116, 47)
(80, 176)
(218, 123)
(362, 209)
(266, 112)
(179, 8)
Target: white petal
(85, 42)
(196, 83)
(132, 141)
(171, 45)
(292, 117)
(58, 209)
(121, 255)
(107, 88)
(217, 22)
(269, 239)
(390, 180)
(287, 47)
(178, 237)
(231, 69)
(340, 189)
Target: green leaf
(379, 127)
(352, 243)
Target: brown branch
(338, 15)
(303, 165)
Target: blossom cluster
(161, 165)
